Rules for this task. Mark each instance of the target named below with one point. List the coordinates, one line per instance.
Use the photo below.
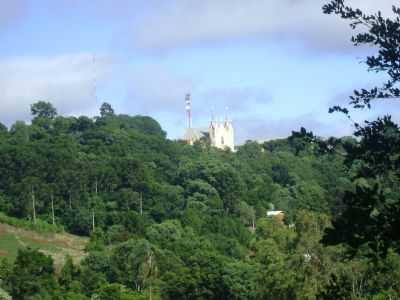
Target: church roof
(194, 134)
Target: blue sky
(277, 64)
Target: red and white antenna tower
(188, 110)
(94, 77)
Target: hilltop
(170, 220)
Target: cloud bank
(154, 88)
(184, 23)
(266, 129)
(65, 80)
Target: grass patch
(39, 244)
(40, 226)
(9, 245)
(57, 245)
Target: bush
(40, 226)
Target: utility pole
(92, 219)
(95, 199)
(141, 203)
(69, 200)
(52, 208)
(33, 204)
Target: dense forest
(168, 220)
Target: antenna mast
(94, 77)
(189, 110)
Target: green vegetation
(13, 239)
(9, 245)
(171, 221)
(40, 225)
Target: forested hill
(118, 179)
(168, 220)
(124, 170)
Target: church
(219, 134)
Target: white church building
(220, 134)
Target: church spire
(227, 120)
(188, 110)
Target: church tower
(222, 135)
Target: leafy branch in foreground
(382, 33)
(367, 217)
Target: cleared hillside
(58, 245)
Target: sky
(272, 66)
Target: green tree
(369, 209)
(69, 276)
(135, 264)
(379, 32)
(180, 284)
(3, 130)
(106, 110)
(110, 292)
(165, 234)
(247, 214)
(271, 228)
(6, 268)
(222, 176)
(42, 109)
(301, 140)
(91, 281)
(32, 275)
(276, 280)
(310, 196)
(240, 279)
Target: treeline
(173, 221)
(85, 173)
(188, 211)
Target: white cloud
(156, 89)
(265, 129)
(236, 100)
(65, 80)
(183, 23)
(160, 92)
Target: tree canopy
(167, 220)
